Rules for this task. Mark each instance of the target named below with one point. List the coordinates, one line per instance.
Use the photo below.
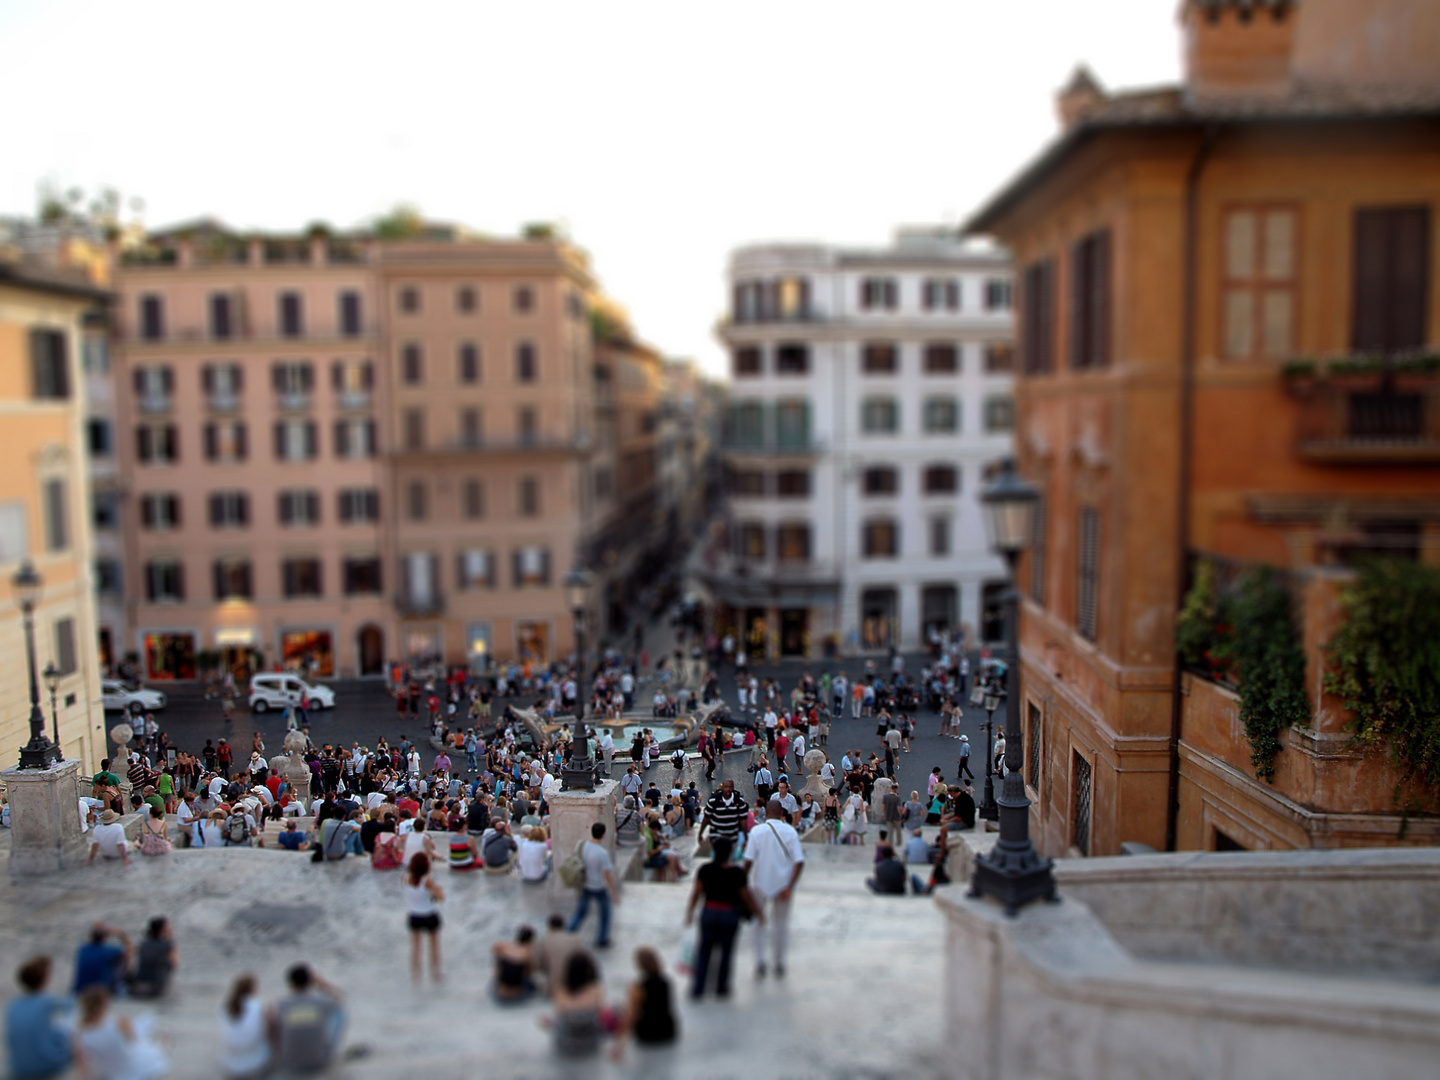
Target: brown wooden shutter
(211, 448)
(1390, 269)
(1079, 304)
(240, 444)
(342, 438)
(1088, 576)
(1100, 300)
(312, 439)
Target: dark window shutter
(277, 377)
(307, 377)
(150, 590)
(280, 439)
(179, 581)
(237, 377)
(369, 375)
(372, 505)
(312, 438)
(211, 450)
(1100, 301)
(143, 447)
(172, 443)
(1087, 602)
(147, 511)
(167, 380)
(207, 379)
(342, 438)
(460, 582)
(217, 510)
(218, 573)
(1391, 271)
(1079, 306)
(370, 438)
(516, 568)
(287, 575)
(242, 508)
(284, 509)
(173, 503)
(240, 444)
(337, 375)
(312, 507)
(343, 507)
(545, 566)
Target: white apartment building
(871, 389)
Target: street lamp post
(989, 809)
(52, 677)
(39, 752)
(579, 774)
(1012, 871)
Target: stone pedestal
(573, 812)
(45, 833)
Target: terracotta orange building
(1227, 289)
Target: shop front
(532, 642)
(310, 651)
(168, 654)
(477, 647)
(239, 653)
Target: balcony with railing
(1357, 418)
(154, 402)
(414, 607)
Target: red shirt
(782, 744)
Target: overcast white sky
(661, 134)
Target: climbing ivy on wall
(1385, 662)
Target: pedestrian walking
(722, 887)
(774, 860)
(599, 886)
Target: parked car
(117, 696)
(275, 691)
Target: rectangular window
(1391, 274)
(1037, 553)
(604, 482)
(412, 365)
(97, 437)
(105, 511)
(222, 384)
(301, 578)
(879, 293)
(746, 422)
(57, 515)
(296, 440)
(793, 543)
(532, 566)
(525, 365)
(526, 427)
(49, 365)
(999, 358)
(792, 359)
(157, 444)
(420, 571)
(475, 569)
(747, 482)
(221, 325)
(940, 480)
(95, 354)
(1088, 575)
(1032, 753)
(524, 299)
(107, 577)
(467, 300)
(350, 314)
(999, 414)
(1090, 302)
(997, 294)
(232, 579)
(1037, 318)
(791, 483)
(471, 432)
(472, 499)
(469, 362)
(942, 415)
(292, 323)
(417, 500)
(353, 381)
(941, 294)
(160, 511)
(152, 318)
(880, 480)
(14, 532)
(528, 497)
(414, 427)
(298, 509)
(942, 358)
(939, 537)
(747, 361)
(747, 301)
(229, 509)
(358, 506)
(65, 656)
(1258, 284)
(880, 539)
(752, 542)
(879, 358)
(293, 380)
(880, 416)
(354, 439)
(361, 576)
(164, 581)
(410, 300)
(153, 387)
(1082, 794)
(792, 424)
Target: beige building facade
(44, 508)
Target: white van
(275, 691)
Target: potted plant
(1300, 377)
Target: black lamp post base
(1013, 874)
(39, 754)
(579, 775)
(989, 809)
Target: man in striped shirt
(724, 811)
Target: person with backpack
(597, 885)
(239, 827)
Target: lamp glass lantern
(991, 700)
(52, 677)
(577, 590)
(26, 586)
(1009, 504)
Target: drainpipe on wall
(1182, 514)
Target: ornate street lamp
(52, 677)
(1012, 871)
(579, 774)
(39, 752)
(990, 699)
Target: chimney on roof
(1081, 96)
(1238, 48)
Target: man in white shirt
(412, 763)
(607, 747)
(772, 725)
(108, 839)
(774, 861)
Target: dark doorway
(372, 650)
(795, 632)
